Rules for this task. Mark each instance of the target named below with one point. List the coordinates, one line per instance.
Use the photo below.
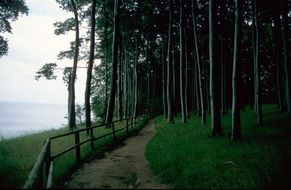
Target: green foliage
(80, 113)
(47, 71)
(65, 26)
(185, 156)
(9, 12)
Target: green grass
(184, 155)
(18, 155)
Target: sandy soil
(124, 167)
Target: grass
(184, 155)
(18, 155)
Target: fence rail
(42, 173)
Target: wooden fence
(42, 173)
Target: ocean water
(19, 118)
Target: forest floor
(124, 167)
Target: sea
(22, 118)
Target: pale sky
(32, 44)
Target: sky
(31, 45)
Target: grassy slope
(18, 155)
(185, 156)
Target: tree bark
(236, 123)
(223, 80)
(286, 56)
(136, 80)
(90, 67)
(257, 86)
(110, 107)
(197, 58)
(278, 49)
(120, 106)
(106, 59)
(169, 68)
(164, 66)
(216, 129)
(182, 62)
(71, 110)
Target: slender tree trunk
(216, 129)
(182, 62)
(198, 97)
(196, 54)
(136, 79)
(186, 77)
(223, 80)
(71, 110)
(286, 56)
(169, 68)
(106, 59)
(120, 106)
(257, 86)
(278, 49)
(236, 123)
(125, 84)
(175, 67)
(90, 67)
(110, 108)
(164, 81)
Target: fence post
(77, 141)
(47, 162)
(92, 137)
(126, 123)
(113, 130)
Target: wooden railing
(42, 173)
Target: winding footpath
(125, 167)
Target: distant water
(17, 118)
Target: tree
(197, 60)
(236, 129)
(169, 68)
(9, 12)
(90, 67)
(182, 63)
(116, 34)
(257, 85)
(71, 110)
(214, 90)
(286, 55)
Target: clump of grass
(184, 155)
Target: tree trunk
(90, 67)
(186, 78)
(182, 62)
(216, 129)
(223, 80)
(106, 59)
(136, 85)
(125, 85)
(257, 86)
(286, 56)
(120, 79)
(110, 108)
(71, 110)
(164, 81)
(278, 49)
(236, 123)
(169, 68)
(197, 58)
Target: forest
(200, 59)
(178, 56)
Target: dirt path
(125, 167)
